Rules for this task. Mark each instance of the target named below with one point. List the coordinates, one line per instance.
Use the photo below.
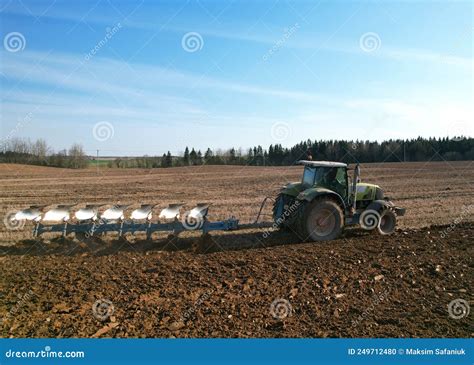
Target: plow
(89, 222)
(317, 208)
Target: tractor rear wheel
(322, 220)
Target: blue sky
(145, 77)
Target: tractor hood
(368, 192)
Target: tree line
(23, 151)
(418, 149)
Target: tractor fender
(312, 193)
(379, 205)
(292, 189)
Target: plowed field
(414, 283)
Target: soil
(245, 283)
(361, 285)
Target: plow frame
(148, 228)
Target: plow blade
(89, 213)
(200, 211)
(59, 214)
(194, 219)
(172, 212)
(114, 214)
(144, 212)
(33, 213)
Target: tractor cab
(330, 176)
(321, 177)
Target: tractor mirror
(354, 186)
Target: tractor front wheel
(388, 222)
(322, 220)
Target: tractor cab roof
(322, 163)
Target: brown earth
(361, 285)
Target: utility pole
(97, 162)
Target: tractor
(325, 201)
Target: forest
(419, 149)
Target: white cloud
(125, 79)
(68, 95)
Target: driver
(330, 181)
(330, 176)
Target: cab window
(308, 175)
(333, 178)
(341, 176)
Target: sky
(144, 77)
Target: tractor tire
(388, 222)
(321, 220)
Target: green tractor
(325, 201)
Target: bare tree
(77, 157)
(40, 149)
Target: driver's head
(331, 174)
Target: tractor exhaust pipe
(355, 180)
